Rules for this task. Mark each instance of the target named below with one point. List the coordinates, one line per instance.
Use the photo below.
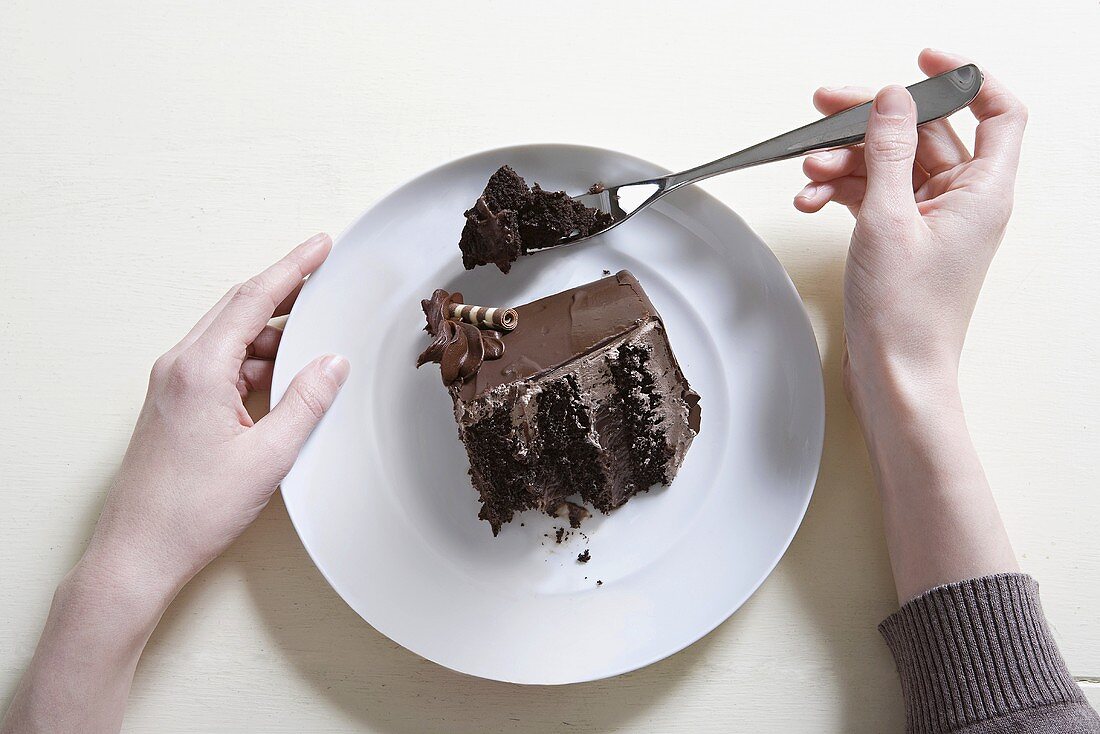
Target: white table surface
(151, 154)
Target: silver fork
(936, 98)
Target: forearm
(941, 522)
(198, 471)
(82, 669)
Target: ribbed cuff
(974, 651)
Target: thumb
(890, 148)
(305, 402)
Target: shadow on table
(837, 565)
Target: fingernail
(893, 101)
(837, 88)
(807, 192)
(823, 156)
(315, 241)
(336, 367)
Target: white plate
(380, 494)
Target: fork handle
(936, 98)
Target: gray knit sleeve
(977, 656)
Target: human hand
(929, 218)
(198, 470)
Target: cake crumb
(559, 534)
(607, 272)
(599, 583)
(584, 556)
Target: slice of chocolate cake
(509, 219)
(584, 397)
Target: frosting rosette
(459, 348)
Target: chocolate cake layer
(509, 219)
(586, 401)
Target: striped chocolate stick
(501, 319)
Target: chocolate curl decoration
(499, 319)
(457, 346)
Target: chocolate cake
(509, 219)
(583, 401)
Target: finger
(1001, 116)
(848, 191)
(920, 176)
(255, 375)
(830, 164)
(308, 397)
(939, 148)
(830, 100)
(288, 303)
(282, 310)
(202, 324)
(889, 154)
(266, 344)
(848, 161)
(254, 302)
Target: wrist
(108, 585)
(896, 398)
(99, 622)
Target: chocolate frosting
(459, 348)
(561, 327)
